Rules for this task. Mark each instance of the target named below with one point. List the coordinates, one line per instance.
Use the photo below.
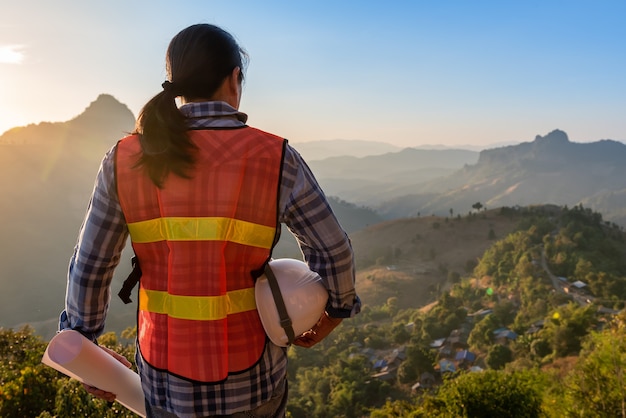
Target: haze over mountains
(48, 169)
(550, 169)
(320, 150)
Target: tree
(392, 306)
(29, 394)
(418, 360)
(567, 327)
(497, 356)
(310, 393)
(396, 409)
(477, 206)
(400, 334)
(540, 348)
(490, 394)
(481, 335)
(341, 389)
(27, 387)
(597, 386)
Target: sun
(11, 54)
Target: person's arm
(325, 245)
(96, 255)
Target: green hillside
(531, 327)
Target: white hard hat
(304, 297)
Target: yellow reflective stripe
(202, 229)
(199, 308)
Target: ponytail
(166, 146)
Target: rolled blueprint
(75, 356)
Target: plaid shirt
(303, 209)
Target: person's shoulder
(129, 138)
(266, 133)
(129, 143)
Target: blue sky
(406, 72)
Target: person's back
(202, 197)
(198, 240)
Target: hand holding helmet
(324, 326)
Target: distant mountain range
(375, 179)
(550, 169)
(48, 169)
(320, 150)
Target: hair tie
(169, 87)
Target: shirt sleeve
(97, 253)
(325, 245)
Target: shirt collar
(212, 114)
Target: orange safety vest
(198, 241)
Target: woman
(202, 196)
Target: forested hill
(541, 307)
(533, 327)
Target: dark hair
(198, 59)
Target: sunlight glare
(11, 54)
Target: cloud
(11, 54)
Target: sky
(409, 73)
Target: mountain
(373, 179)
(48, 170)
(104, 118)
(550, 169)
(609, 202)
(320, 150)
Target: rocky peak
(103, 112)
(556, 137)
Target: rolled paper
(75, 356)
